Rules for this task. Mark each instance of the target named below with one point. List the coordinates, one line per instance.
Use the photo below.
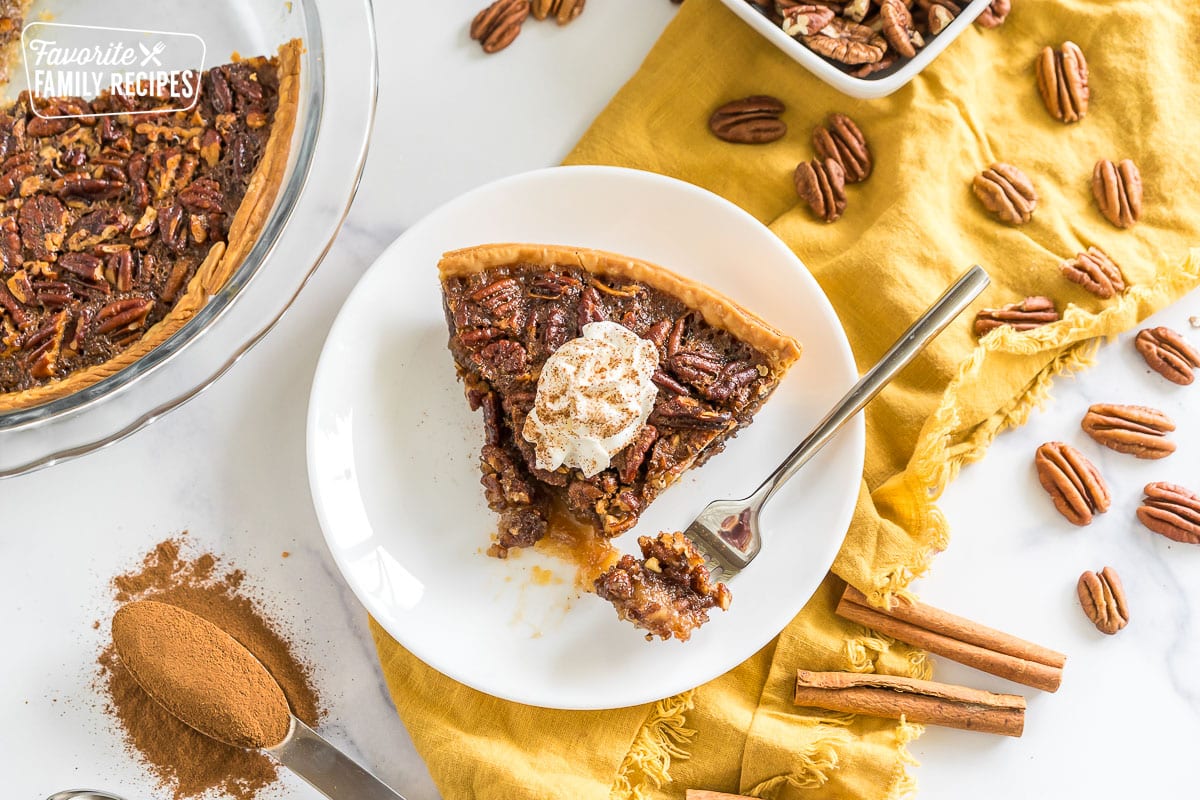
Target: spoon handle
(328, 769)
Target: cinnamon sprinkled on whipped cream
(593, 397)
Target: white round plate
(393, 451)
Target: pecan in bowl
(847, 43)
(865, 39)
(995, 14)
(806, 19)
(899, 29)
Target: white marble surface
(229, 468)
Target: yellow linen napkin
(906, 235)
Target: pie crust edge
(222, 260)
(717, 310)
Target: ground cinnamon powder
(184, 761)
(201, 674)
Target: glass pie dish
(880, 84)
(336, 106)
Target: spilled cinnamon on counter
(183, 761)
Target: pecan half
(1073, 482)
(841, 140)
(856, 10)
(822, 184)
(1103, 600)
(1030, 313)
(80, 185)
(202, 194)
(1118, 191)
(750, 120)
(41, 350)
(15, 177)
(83, 266)
(43, 222)
(249, 91)
(1096, 272)
(805, 19)
(866, 70)
(12, 305)
(899, 29)
(502, 357)
(10, 244)
(629, 460)
(129, 314)
(221, 95)
(1172, 511)
(590, 309)
(138, 169)
(1007, 192)
(665, 382)
(686, 412)
(994, 15)
(940, 17)
(170, 227)
(97, 227)
(847, 42)
(1136, 430)
(496, 26)
(563, 11)
(550, 285)
(1168, 354)
(120, 270)
(147, 225)
(1062, 78)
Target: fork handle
(906, 348)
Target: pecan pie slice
(116, 227)
(601, 380)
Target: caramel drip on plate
(577, 543)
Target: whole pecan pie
(514, 308)
(117, 226)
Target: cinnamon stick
(915, 700)
(958, 639)
(704, 794)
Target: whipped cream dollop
(593, 397)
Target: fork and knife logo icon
(149, 54)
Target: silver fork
(726, 532)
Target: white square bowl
(865, 88)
